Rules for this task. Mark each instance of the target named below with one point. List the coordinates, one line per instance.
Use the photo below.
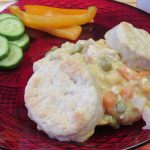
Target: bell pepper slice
(51, 11)
(54, 22)
(39, 10)
(71, 33)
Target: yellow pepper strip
(54, 22)
(38, 9)
(35, 11)
(71, 33)
(50, 11)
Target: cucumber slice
(5, 15)
(13, 59)
(23, 42)
(4, 47)
(11, 28)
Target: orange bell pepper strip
(71, 33)
(54, 22)
(51, 11)
(40, 10)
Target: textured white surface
(62, 97)
(5, 3)
(144, 5)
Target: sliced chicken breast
(132, 44)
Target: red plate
(16, 130)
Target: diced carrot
(109, 100)
(124, 73)
(128, 74)
(143, 74)
(126, 92)
(146, 89)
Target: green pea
(105, 64)
(54, 48)
(79, 47)
(121, 107)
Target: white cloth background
(144, 5)
(5, 3)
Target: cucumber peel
(11, 28)
(4, 47)
(13, 59)
(23, 42)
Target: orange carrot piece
(126, 92)
(143, 74)
(109, 100)
(124, 73)
(146, 89)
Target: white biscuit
(63, 99)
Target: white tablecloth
(6, 4)
(144, 5)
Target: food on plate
(71, 33)
(23, 42)
(4, 48)
(12, 41)
(118, 104)
(11, 28)
(13, 59)
(133, 44)
(63, 98)
(40, 10)
(57, 21)
(143, 104)
(6, 15)
(85, 84)
(58, 24)
(79, 86)
(118, 84)
(145, 114)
